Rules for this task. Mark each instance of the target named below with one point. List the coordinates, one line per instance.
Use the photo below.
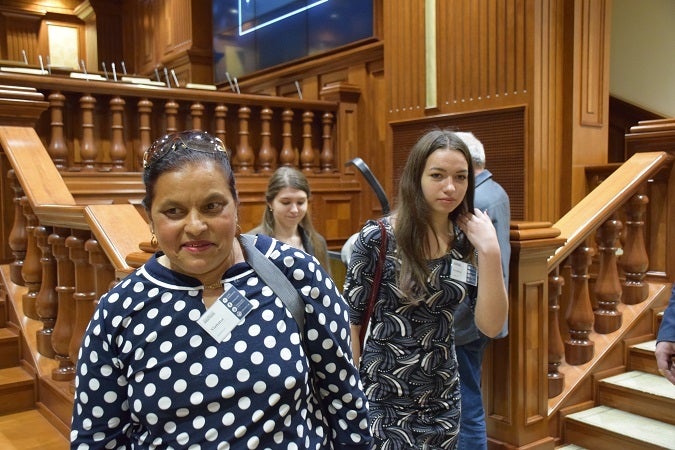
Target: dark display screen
(250, 35)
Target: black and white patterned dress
(408, 366)
(149, 376)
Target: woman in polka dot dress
(434, 246)
(194, 351)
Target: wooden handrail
(39, 176)
(119, 229)
(93, 87)
(598, 205)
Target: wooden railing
(103, 126)
(579, 287)
(95, 132)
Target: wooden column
(17, 236)
(556, 349)
(46, 302)
(287, 155)
(307, 152)
(88, 149)
(31, 272)
(579, 348)
(346, 144)
(515, 384)
(244, 158)
(635, 259)
(608, 285)
(267, 153)
(58, 149)
(65, 320)
(118, 149)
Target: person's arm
(337, 379)
(356, 343)
(359, 279)
(665, 341)
(664, 353)
(100, 411)
(492, 301)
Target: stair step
(30, 430)
(17, 390)
(9, 348)
(640, 393)
(606, 428)
(641, 357)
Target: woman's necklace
(218, 285)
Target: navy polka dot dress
(150, 377)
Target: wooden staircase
(633, 409)
(25, 422)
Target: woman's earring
(238, 230)
(153, 240)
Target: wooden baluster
(244, 158)
(58, 150)
(579, 348)
(118, 150)
(608, 285)
(85, 293)
(197, 113)
(287, 155)
(65, 319)
(104, 272)
(171, 112)
(144, 130)
(46, 302)
(31, 272)
(267, 152)
(327, 158)
(17, 237)
(88, 152)
(307, 153)
(220, 114)
(635, 260)
(556, 349)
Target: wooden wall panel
(502, 133)
(176, 18)
(21, 34)
(404, 57)
(545, 160)
(482, 53)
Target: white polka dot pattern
(149, 376)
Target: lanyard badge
(464, 272)
(225, 314)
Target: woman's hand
(664, 353)
(492, 302)
(480, 231)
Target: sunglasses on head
(199, 141)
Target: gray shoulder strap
(275, 279)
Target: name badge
(464, 272)
(225, 314)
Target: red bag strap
(376, 283)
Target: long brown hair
(290, 177)
(413, 215)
